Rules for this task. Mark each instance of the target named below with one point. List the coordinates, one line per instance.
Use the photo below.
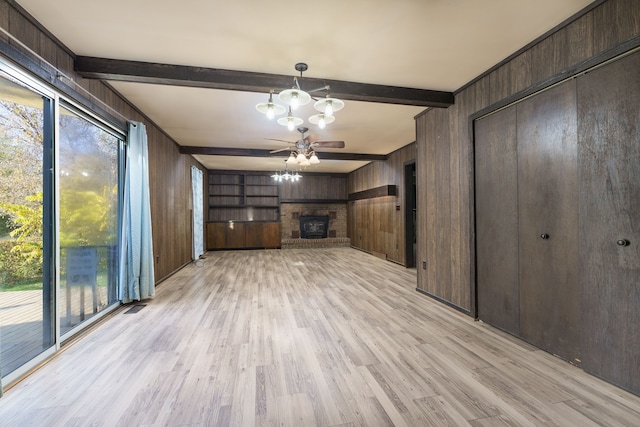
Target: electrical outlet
(424, 265)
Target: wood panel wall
(314, 187)
(445, 139)
(375, 225)
(170, 171)
(171, 203)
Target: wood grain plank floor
(315, 337)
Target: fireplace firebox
(314, 226)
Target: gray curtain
(136, 255)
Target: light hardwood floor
(326, 337)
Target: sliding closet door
(609, 131)
(548, 221)
(496, 178)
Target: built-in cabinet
(243, 235)
(558, 220)
(243, 210)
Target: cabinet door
(216, 235)
(271, 235)
(609, 132)
(254, 235)
(496, 176)
(235, 235)
(548, 221)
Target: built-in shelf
(372, 193)
(242, 197)
(249, 201)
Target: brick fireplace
(290, 214)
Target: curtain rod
(60, 75)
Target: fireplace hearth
(314, 226)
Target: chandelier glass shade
(322, 120)
(328, 106)
(290, 121)
(294, 98)
(270, 109)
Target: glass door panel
(88, 177)
(26, 291)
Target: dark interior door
(410, 214)
(548, 221)
(609, 131)
(496, 201)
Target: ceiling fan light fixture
(314, 159)
(301, 158)
(292, 159)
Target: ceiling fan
(303, 150)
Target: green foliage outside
(21, 255)
(5, 226)
(17, 273)
(88, 190)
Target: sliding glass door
(88, 180)
(59, 220)
(26, 190)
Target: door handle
(544, 236)
(623, 242)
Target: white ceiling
(424, 44)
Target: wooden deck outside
(21, 321)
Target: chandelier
(296, 97)
(285, 175)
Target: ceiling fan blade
(329, 144)
(279, 140)
(311, 139)
(280, 150)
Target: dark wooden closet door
(609, 134)
(548, 221)
(496, 177)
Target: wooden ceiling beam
(214, 78)
(249, 152)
